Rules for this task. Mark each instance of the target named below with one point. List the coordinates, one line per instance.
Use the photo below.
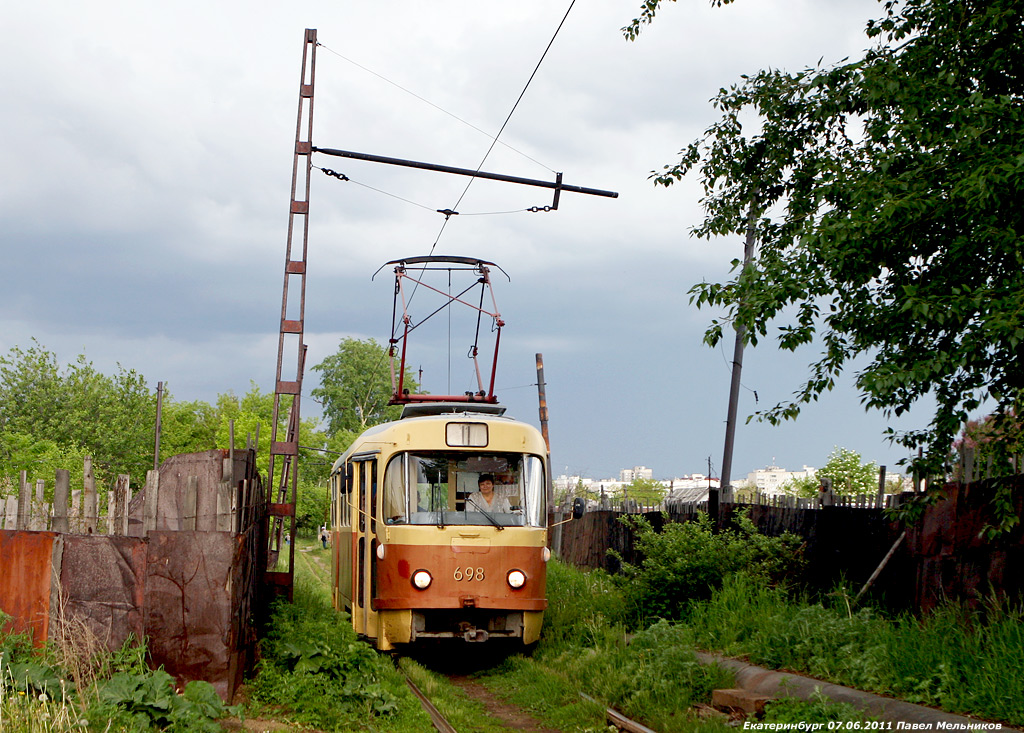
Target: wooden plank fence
(178, 563)
(943, 556)
(855, 501)
(77, 511)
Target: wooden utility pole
(542, 398)
(159, 408)
(543, 402)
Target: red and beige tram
(415, 557)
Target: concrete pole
(737, 369)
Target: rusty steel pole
(542, 397)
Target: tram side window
(334, 499)
(395, 499)
(431, 476)
(346, 497)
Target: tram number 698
(469, 574)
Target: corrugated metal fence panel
(25, 583)
(950, 554)
(189, 615)
(102, 583)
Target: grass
(75, 684)
(24, 711)
(960, 660)
(315, 673)
(954, 658)
(653, 677)
(462, 712)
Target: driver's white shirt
(498, 505)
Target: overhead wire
(729, 365)
(330, 172)
(494, 141)
(347, 179)
(435, 106)
(505, 123)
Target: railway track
(441, 724)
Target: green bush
(315, 668)
(147, 701)
(686, 562)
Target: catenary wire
(505, 123)
(435, 106)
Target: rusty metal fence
(179, 564)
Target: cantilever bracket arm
(557, 184)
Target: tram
(416, 554)
(439, 519)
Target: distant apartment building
(769, 480)
(610, 488)
(628, 475)
(692, 481)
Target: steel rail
(439, 721)
(619, 720)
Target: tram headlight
(421, 579)
(516, 578)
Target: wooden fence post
(225, 510)
(11, 512)
(90, 503)
(24, 502)
(227, 489)
(39, 519)
(189, 514)
(122, 495)
(150, 501)
(206, 508)
(75, 524)
(61, 490)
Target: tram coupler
(475, 635)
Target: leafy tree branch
(886, 193)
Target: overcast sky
(146, 154)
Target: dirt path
(513, 717)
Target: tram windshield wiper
(437, 505)
(489, 516)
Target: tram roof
(422, 409)
(431, 412)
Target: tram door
(341, 540)
(363, 471)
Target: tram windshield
(455, 487)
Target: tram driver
(486, 499)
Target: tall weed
(961, 660)
(653, 676)
(686, 562)
(583, 607)
(319, 674)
